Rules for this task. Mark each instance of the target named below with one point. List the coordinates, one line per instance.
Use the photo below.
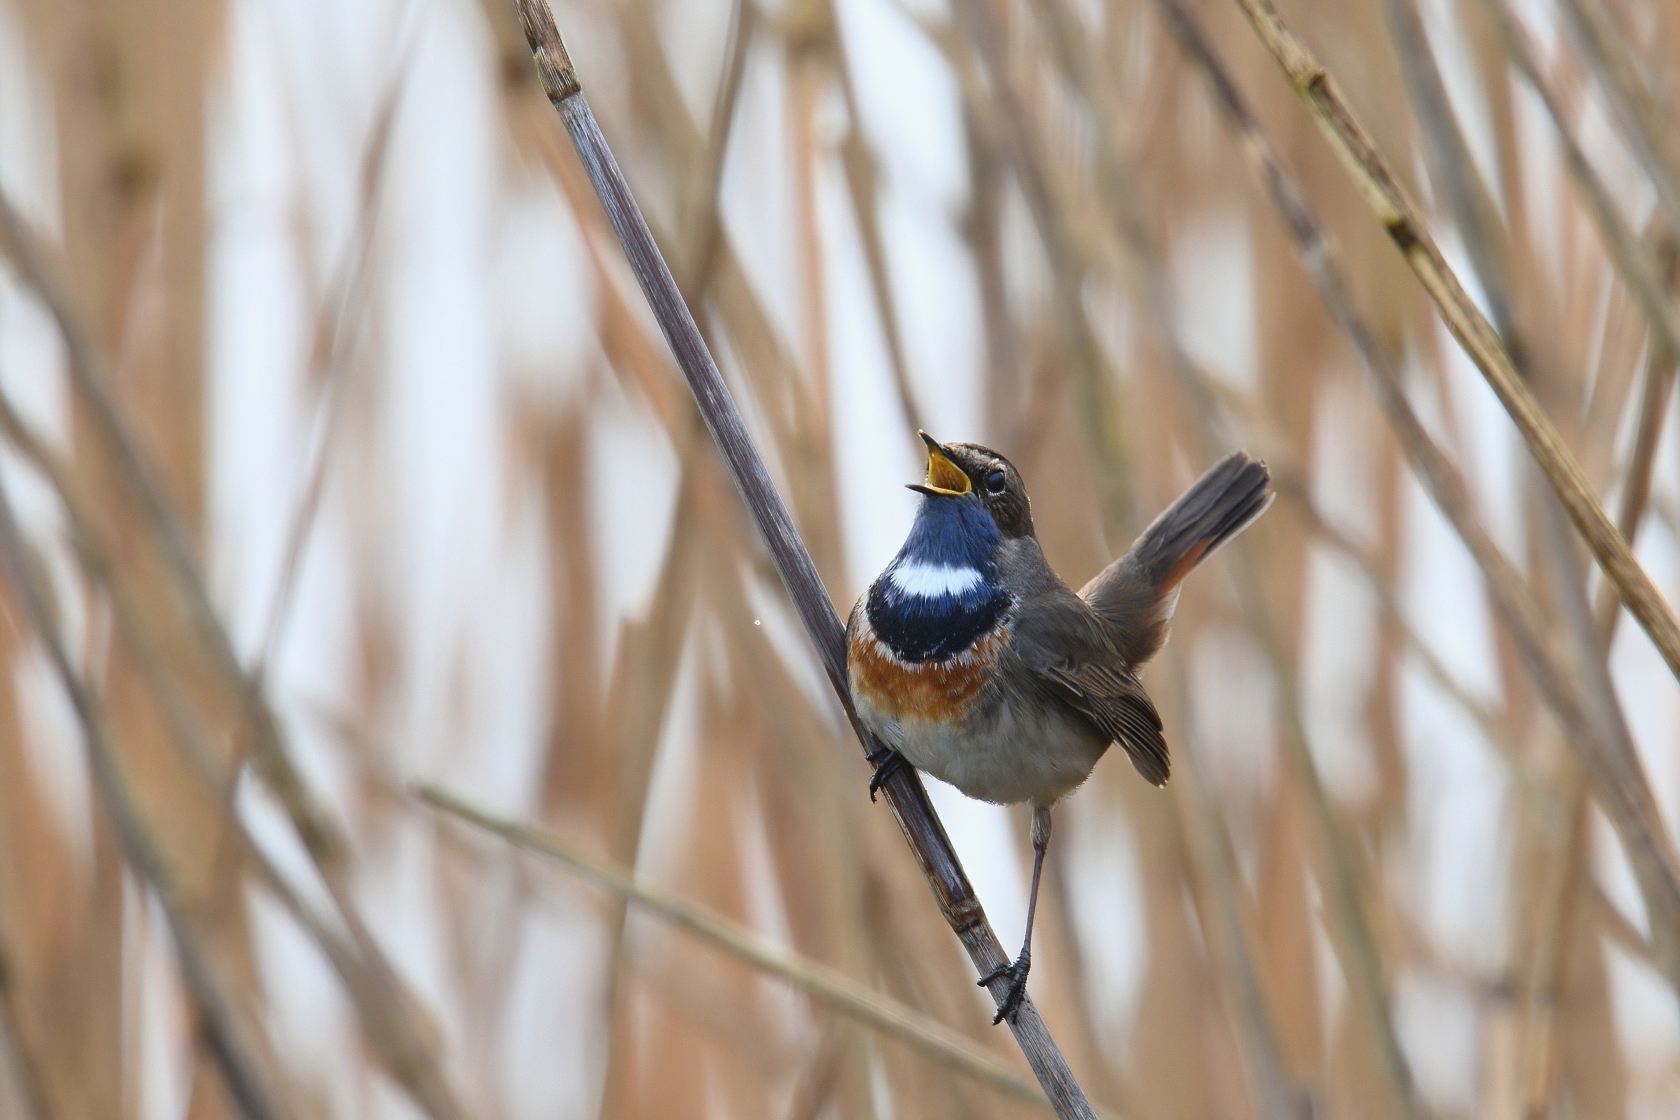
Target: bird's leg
(887, 761)
(1017, 972)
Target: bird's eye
(994, 482)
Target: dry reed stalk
(129, 149)
(1218, 891)
(703, 224)
(1453, 169)
(393, 1021)
(1593, 723)
(1538, 360)
(905, 793)
(815, 979)
(862, 177)
(1660, 369)
(1382, 194)
(812, 488)
(1073, 238)
(1007, 409)
(248, 1073)
(1549, 880)
(37, 922)
(1549, 885)
(138, 478)
(1638, 115)
(409, 1057)
(340, 319)
(1620, 242)
(1292, 489)
(386, 1008)
(792, 402)
(1606, 373)
(22, 1067)
(573, 781)
(1346, 901)
(649, 655)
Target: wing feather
(1063, 646)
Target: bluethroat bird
(970, 659)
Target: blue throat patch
(941, 592)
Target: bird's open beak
(944, 477)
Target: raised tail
(1136, 594)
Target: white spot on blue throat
(933, 581)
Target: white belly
(1006, 753)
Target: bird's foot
(887, 761)
(1017, 973)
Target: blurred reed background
(341, 452)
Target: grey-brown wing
(1064, 648)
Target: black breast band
(917, 628)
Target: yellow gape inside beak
(944, 476)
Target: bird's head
(969, 472)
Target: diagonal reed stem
(909, 801)
(1381, 191)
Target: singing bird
(970, 659)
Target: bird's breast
(942, 689)
(954, 718)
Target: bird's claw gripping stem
(1017, 973)
(887, 762)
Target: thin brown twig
(792, 406)
(15, 1049)
(231, 1040)
(90, 374)
(862, 176)
(1381, 192)
(1073, 252)
(1621, 243)
(649, 655)
(1216, 886)
(1638, 117)
(412, 1060)
(1452, 167)
(346, 312)
(1660, 370)
(704, 227)
(816, 979)
(904, 789)
(1559, 834)
(1290, 487)
(384, 1004)
(1347, 910)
